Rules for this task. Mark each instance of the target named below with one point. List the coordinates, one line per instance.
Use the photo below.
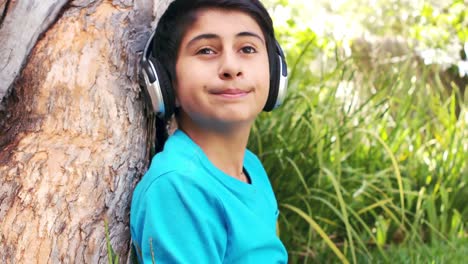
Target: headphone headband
(148, 50)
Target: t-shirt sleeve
(179, 221)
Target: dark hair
(181, 14)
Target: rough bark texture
(19, 30)
(73, 133)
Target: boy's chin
(223, 119)
(225, 124)
(231, 123)
(238, 117)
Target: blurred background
(368, 155)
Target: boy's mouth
(231, 92)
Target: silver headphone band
(283, 84)
(154, 91)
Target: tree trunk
(73, 132)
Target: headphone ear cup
(145, 77)
(278, 79)
(273, 92)
(166, 88)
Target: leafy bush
(363, 162)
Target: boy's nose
(230, 67)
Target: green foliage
(438, 252)
(440, 26)
(387, 168)
(365, 165)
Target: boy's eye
(205, 51)
(248, 49)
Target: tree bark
(73, 129)
(19, 31)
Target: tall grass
(363, 161)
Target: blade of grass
(343, 210)
(319, 230)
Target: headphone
(160, 95)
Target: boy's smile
(231, 92)
(222, 70)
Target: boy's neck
(224, 148)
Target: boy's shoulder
(178, 164)
(172, 164)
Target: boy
(205, 198)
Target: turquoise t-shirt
(186, 210)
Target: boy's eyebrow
(250, 34)
(214, 36)
(202, 36)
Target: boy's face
(222, 69)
